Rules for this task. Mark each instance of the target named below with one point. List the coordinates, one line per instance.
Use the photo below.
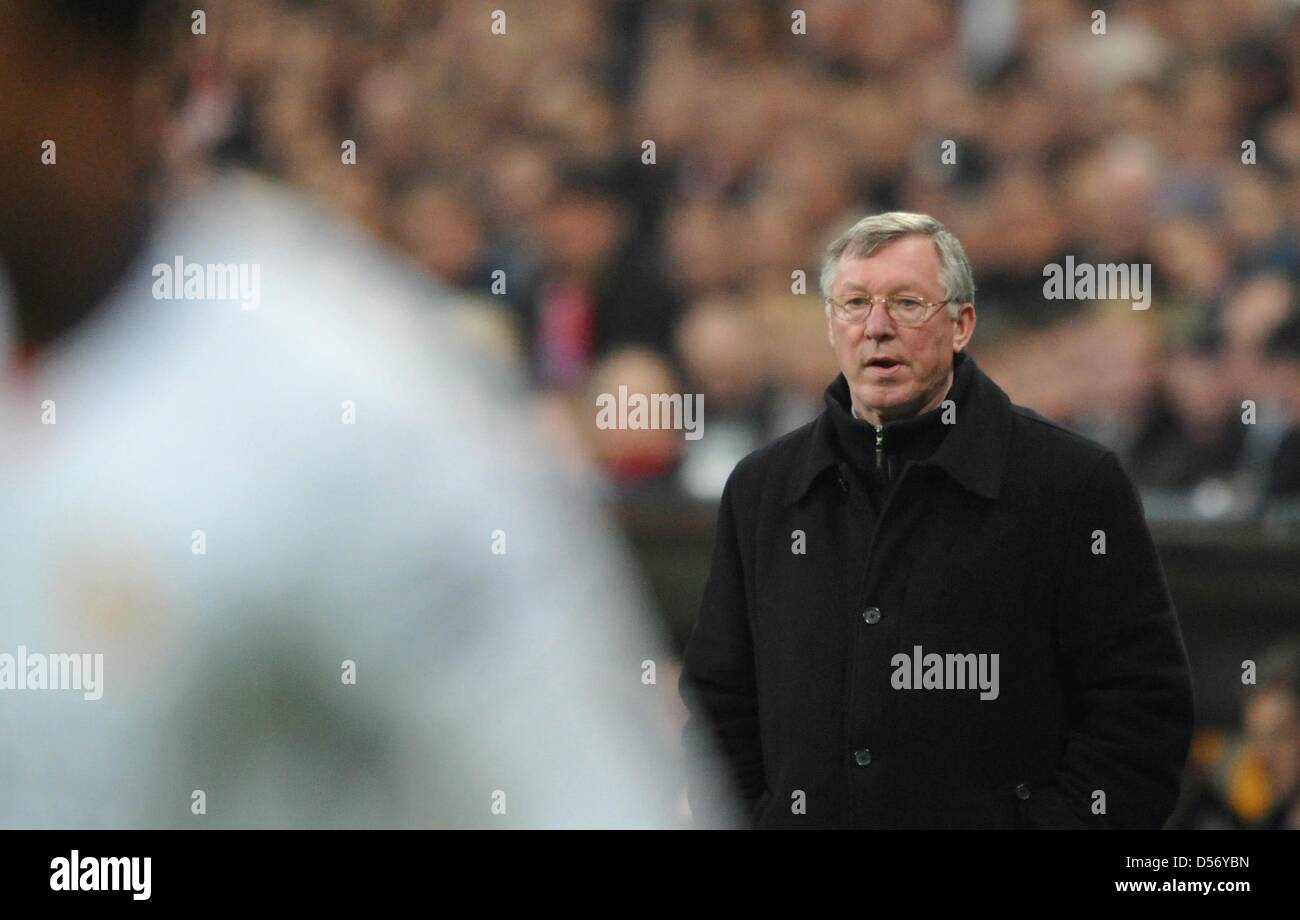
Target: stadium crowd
(1171, 140)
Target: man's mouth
(883, 363)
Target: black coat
(986, 546)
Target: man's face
(920, 379)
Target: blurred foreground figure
(275, 549)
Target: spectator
(1271, 718)
(1283, 370)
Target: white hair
(870, 233)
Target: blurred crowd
(639, 194)
(1250, 779)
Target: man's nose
(879, 324)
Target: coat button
(1022, 791)
(871, 615)
(862, 757)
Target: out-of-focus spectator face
(519, 184)
(886, 35)
(792, 335)
(1205, 115)
(1045, 368)
(1196, 387)
(918, 382)
(877, 134)
(441, 231)
(1046, 18)
(816, 174)
(578, 231)
(717, 342)
(1203, 25)
(739, 125)
(292, 123)
(1250, 314)
(1272, 724)
(1254, 209)
(1255, 310)
(1135, 109)
(1020, 119)
(1280, 380)
(563, 106)
(699, 248)
(666, 108)
(627, 454)
(387, 112)
(1282, 138)
(1028, 231)
(1112, 195)
(777, 237)
(574, 29)
(251, 46)
(743, 31)
(946, 103)
(1121, 349)
(1190, 256)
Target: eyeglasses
(906, 311)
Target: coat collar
(973, 453)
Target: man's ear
(965, 326)
(830, 332)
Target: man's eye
(856, 302)
(907, 303)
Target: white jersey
(332, 576)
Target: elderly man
(930, 607)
